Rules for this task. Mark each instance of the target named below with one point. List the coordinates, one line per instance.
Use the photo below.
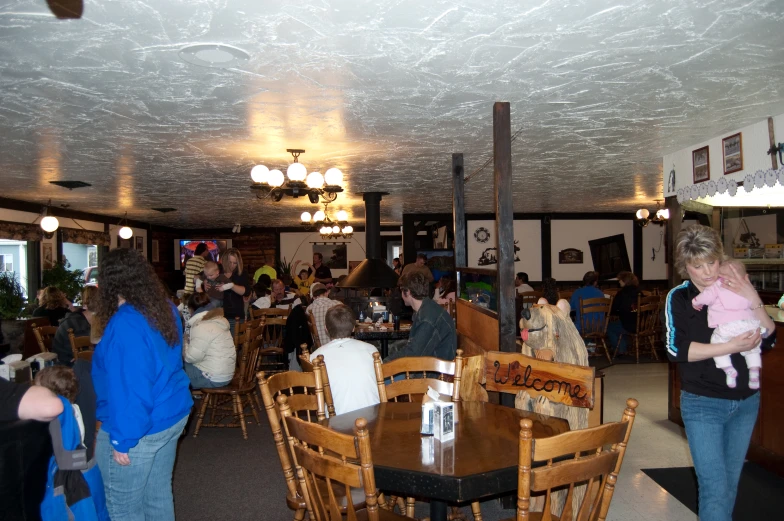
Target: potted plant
(284, 271)
(65, 279)
(12, 300)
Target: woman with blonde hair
(234, 292)
(718, 419)
(54, 305)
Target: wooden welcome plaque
(564, 383)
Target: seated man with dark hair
(521, 283)
(432, 329)
(349, 363)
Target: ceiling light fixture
(49, 223)
(272, 183)
(125, 232)
(328, 228)
(660, 216)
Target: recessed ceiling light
(217, 55)
(165, 210)
(70, 184)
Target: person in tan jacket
(209, 353)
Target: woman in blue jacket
(142, 390)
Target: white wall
(754, 144)
(576, 234)
(654, 237)
(298, 246)
(527, 233)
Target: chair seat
(535, 516)
(267, 351)
(232, 388)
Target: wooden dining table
(481, 460)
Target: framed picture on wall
(155, 257)
(139, 243)
(701, 164)
(733, 153)
(124, 243)
(48, 260)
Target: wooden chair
(269, 312)
(529, 298)
(647, 317)
(44, 336)
(313, 330)
(241, 391)
(305, 399)
(81, 346)
(319, 365)
(241, 328)
(594, 455)
(566, 294)
(328, 462)
(591, 326)
(417, 373)
(272, 357)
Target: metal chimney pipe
(373, 224)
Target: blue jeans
(719, 432)
(614, 330)
(141, 491)
(198, 380)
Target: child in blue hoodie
(141, 388)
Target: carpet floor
(760, 493)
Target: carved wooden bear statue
(548, 333)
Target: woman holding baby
(714, 321)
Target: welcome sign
(563, 383)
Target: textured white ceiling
(386, 90)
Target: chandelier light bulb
(347, 229)
(126, 233)
(325, 230)
(342, 215)
(642, 213)
(664, 213)
(276, 178)
(49, 223)
(333, 177)
(315, 180)
(259, 174)
(297, 172)
(336, 229)
(305, 217)
(319, 216)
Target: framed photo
(124, 243)
(570, 256)
(155, 250)
(139, 243)
(701, 163)
(334, 255)
(733, 153)
(48, 260)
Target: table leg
(438, 510)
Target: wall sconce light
(660, 215)
(237, 228)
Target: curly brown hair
(60, 380)
(125, 273)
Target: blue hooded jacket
(139, 380)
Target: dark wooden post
(773, 162)
(673, 229)
(504, 224)
(458, 210)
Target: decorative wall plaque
(570, 256)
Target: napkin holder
(438, 416)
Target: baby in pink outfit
(730, 315)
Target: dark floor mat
(760, 492)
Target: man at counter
(432, 329)
(323, 273)
(419, 266)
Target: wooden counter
(767, 441)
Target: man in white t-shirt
(279, 298)
(349, 363)
(521, 283)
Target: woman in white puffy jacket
(209, 353)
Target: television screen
(185, 248)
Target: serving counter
(767, 441)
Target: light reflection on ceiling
(386, 91)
